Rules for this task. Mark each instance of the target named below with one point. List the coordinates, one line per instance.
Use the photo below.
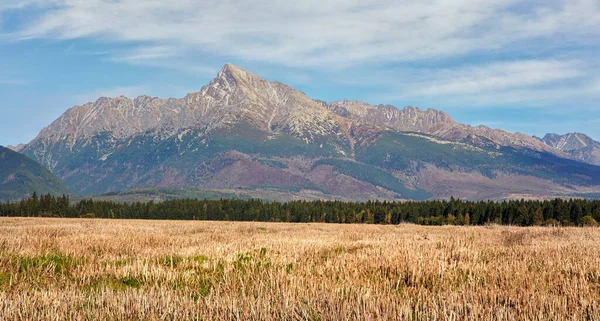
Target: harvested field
(87, 269)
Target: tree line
(572, 212)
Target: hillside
(21, 176)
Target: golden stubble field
(80, 269)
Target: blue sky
(528, 66)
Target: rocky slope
(241, 132)
(578, 146)
(17, 148)
(234, 97)
(21, 176)
(436, 123)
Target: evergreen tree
(538, 217)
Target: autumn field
(86, 269)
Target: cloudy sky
(528, 66)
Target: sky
(527, 66)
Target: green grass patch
(201, 259)
(113, 283)
(171, 261)
(57, 263)
(5, 279)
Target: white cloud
(497, 76)
(147, 53)
(595, 86)
(535, 83)
(20, 4)
(318, 33)
(162, 57)
(339, 36)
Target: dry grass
(54, 269)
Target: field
(55, 269)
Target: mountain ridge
(579, 146)
(436, 123)
(241, 131)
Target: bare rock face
(233, 96)
(236, 95)
(578, 146)
(436, 123)
(407, 119)
(15, 148)
(121, 116)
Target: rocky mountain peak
(233, 96)
(579, 146)
(570, 141)
(230, 70)
(16, 148)
(231, 76)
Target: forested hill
(574, 212)
(20, 176)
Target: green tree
(370, 218)
(538, 217)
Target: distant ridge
(578, 146)
(20, 177)
(16, 148)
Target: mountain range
(242, 134)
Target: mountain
(578, 146)
(257, 137)
(21, 176)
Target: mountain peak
(569, 141)
(231, 67)
(578, 145)
(15, 148)
(234, 73)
